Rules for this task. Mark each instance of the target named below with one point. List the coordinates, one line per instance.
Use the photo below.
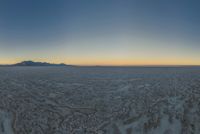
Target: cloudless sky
(101, 32)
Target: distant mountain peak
(33, 63)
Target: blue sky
(100, 32)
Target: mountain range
(32, 63)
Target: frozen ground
(97, 100)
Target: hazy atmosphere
(100, 32)
(99, 67)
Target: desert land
(100, 100)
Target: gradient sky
(101, 32)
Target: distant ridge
(32, 63)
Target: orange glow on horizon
(110, 62)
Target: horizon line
(96, 65)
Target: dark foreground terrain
(99, 100)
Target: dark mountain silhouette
(32, 63)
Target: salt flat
(6, 122)
(99, 100)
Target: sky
(100, 32)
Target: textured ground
(97, 100)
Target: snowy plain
(99, 100)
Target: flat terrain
(99, 100)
